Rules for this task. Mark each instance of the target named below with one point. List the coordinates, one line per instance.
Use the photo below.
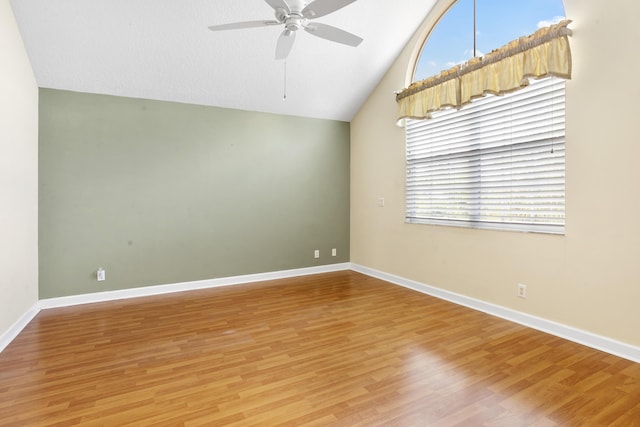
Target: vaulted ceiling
(164, 50)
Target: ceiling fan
(296, 15)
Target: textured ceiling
(162, 49)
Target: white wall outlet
(381, 202)
(522, 290)
(334, 252)
(316, 253)
(101, 274)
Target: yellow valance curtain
(543, 54)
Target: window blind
(497, 163)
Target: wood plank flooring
(338, 349)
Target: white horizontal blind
(496, 163)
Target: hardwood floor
(332, 349)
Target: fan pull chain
(284, 91)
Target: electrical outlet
(522, 290)
(101, 275)
(316, 253)
(381, 202)
(334, 252)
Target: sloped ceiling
(163, 50)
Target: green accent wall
(160, 192)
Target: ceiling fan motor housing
(295, 22)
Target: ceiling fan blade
(332, 33)
(279, 4)
(320, 8)
(240, 25)
(285, 43)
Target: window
(496, 163)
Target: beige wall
(18, 175)
(590, 277)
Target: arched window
(498, 162)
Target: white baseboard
(185, 286)
(608, 345)
(589, 339)
(9, 335)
